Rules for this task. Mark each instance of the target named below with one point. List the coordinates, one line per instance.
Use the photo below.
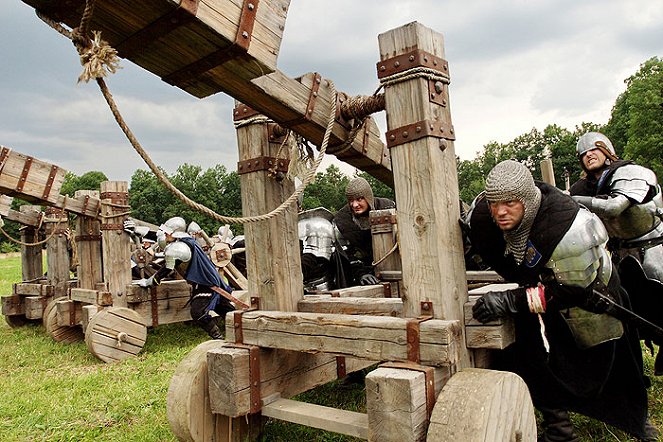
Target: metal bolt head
(439, 87)
(251, 6)
(245, 34)
(396, 64)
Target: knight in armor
(627, 198)
(316, 238)
(354, 232)
(185, 256)
(571, 354)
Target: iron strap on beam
(310, 105)
(410, 60)
(263, 163)
(418, 130)
(429, 379)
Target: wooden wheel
(15, 321)
(188, 405)
(479, 405)
(115, 334)
(67, 334)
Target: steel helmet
(174, 224)
(595, 140)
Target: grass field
(57, 392)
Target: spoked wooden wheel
(67, 334)
(483, 406)
(115, 334)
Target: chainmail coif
(509, 181)
(357, 188)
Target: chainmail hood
(359, 187)
(509, 181)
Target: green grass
(56, 392)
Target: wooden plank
(169, 311)
(496, 337)
(345, 422)
(484, 276)
(32, 264)
(273, 263)
(56, 225)
(29, 178)
(165, 290)
(378, 338)
(364, 291)
(88, 296)
(115, 247)
(33, 289)
(68, 313)
(282, 372)
(384, 236)
(352, 306)
(87, 312)
(396, 403)
(426, 185)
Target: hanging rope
(45, 240)
(95, 52)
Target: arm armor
(581, 258)
(610, 207)
(176, 251)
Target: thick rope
(393, 249)
(45, 240)
(421, 71)
(99, 61)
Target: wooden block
(497, 337)
(88, 296)
(35, 305)
(364, 291)
(378, 338)
(165, 290)
(183, 41)
(345, 422)
(282, 372)
(352, 306)
(13, 305)
(29, 178)
(164, 311)
(68, 313)
(31, 289)
(487, 276)
(87, 312)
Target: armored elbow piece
(581, 258)
(177, 251)
(316, 232)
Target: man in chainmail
(353, 232)
(572, 355)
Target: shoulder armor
(581, 256)
(176, 251)
(633, 181)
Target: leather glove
(129, 226)
(496, 305)
(145, 282)
(368, 279)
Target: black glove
(368, 279)
(496, 305)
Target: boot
(557, 426)
(212, 329)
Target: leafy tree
(88, 181)
(327, 190)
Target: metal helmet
(161, 239)
(225, 230)
(176, 251)
(316, 232)
(174, 224)
(595, 140)
(193, 228)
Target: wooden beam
(282, 372)
(88, 243)
(56, 225)
(345, 422)
(351, 306)
(495, 335)
(273, 262)
(378, 338)
(426, 185)
(115, 243)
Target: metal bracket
(413, 59)
(413, 332)
(154, 303)
(418, 130)
(115, 196)
(310, 106)
(119, 227)
(243, 111)
(3, 156)
(386, 219)
(247, 19)
(87, 237)
(387, 289)
(24, 174)
(438, 92)
(429, 378)
(341, 368)
(49, 182)
(263, 163)
(275, 132)
(162, 26)
(254, 375)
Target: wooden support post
(88, 242)
(56, 224)
(384, 232)
(273, 263)
(423, 160)
(32, 266)
(397, 402)
(115, 243)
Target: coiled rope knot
(97, 57)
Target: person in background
(354, 231)
(572, 355)
(628, 199)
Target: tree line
(635, 127)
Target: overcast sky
(515, 65)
